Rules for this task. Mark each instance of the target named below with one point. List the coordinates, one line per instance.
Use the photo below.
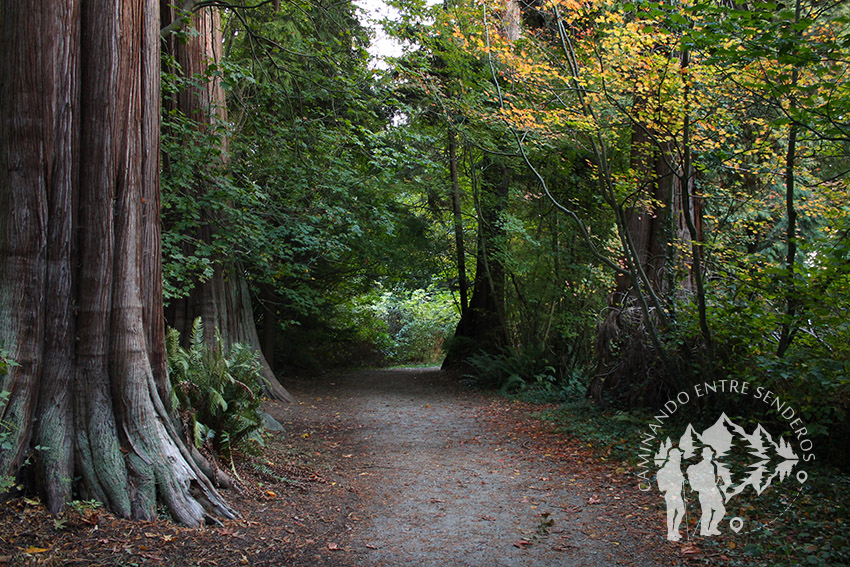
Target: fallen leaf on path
(334, 547)
(35, 550)
(593, 500)
(371, 546)
(690, 550)
(522, 544)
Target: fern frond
(217, 391)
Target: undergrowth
(6, 481)
(217, 393)
(527, 374)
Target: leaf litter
(454, 477)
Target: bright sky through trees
(382, 46)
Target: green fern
(512, 369)
(6, 429)
(217, 393)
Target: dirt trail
(438, 485)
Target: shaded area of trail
(438, 481)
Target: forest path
(440, 480)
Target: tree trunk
(691, 212)
(80, 282)
(789, 326)
(649, 224)
(271, 323)
(656, 227)
(483, 328)
(224, 302)
(666, 220)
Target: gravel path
(438, 485)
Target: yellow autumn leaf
(33, 549)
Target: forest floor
(387, 468)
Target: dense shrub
(408, 327)
(528, 372)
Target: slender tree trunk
(786, 335)
(484, 327)
(460, 249)
(224, 301)
(690, 211)
(271, 323)
(787, 331)
(80, 295)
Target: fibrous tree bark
(224, 300)
(659, 221)
(80, 267)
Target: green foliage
(187, 260)
(527, 373)
(83, 507)
(6, 481)
(408, 327)
(552, 290)
(217, 393)
(314, 202)
(611, 433)
(578, 103)
(815, 370)
(337, 189)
